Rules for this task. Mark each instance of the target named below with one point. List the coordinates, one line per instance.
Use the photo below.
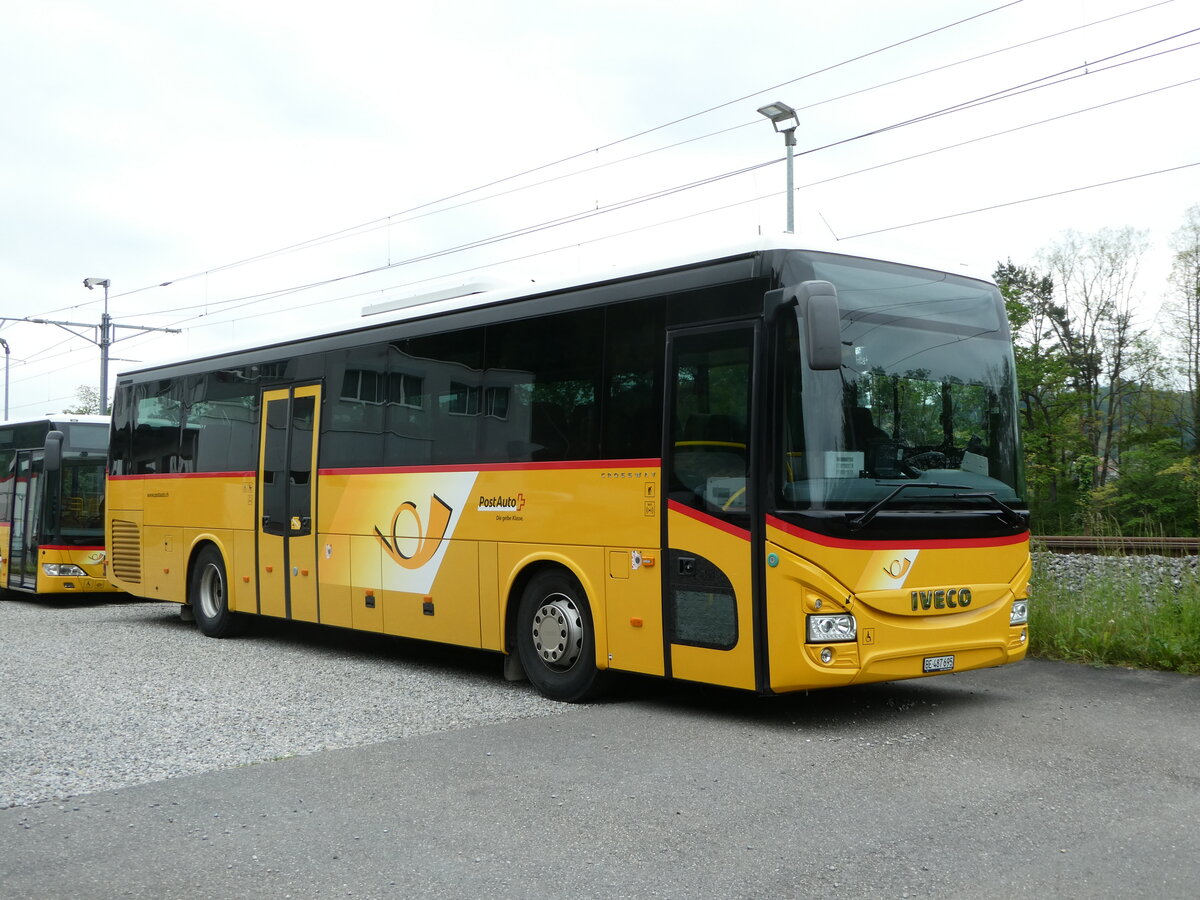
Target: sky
(240, 171)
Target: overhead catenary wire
(662, 223)
(945, 111)
(969, 212)
(584, 153)
(1054, 79)
(388, 221)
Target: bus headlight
(62, 570)
(828, 629)
(1020, 613)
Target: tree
(1108, 354)
(1183, 308)
(1047, 404)
(87, 402)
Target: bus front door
(287, 477)
(26, 521)
(708, 597)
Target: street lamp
(4, 344)
(105, 331)
(785, 121)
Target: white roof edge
(82, 418)
(454, 290)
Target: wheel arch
(198, 545)
(526, 570)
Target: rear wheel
(208, 595)
(556, 640)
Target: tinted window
(540, 395)
(220, 431)
(633, 381)
(157, 415)
(436, 418)
(356, 402)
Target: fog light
(828, 629)
(1019, 614)
(62, 570)
(1024, 635)
(827, 656)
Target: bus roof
(58, 419)
(446, 297)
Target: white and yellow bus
(52, 505)
(775, 469)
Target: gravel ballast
(1149, 571)
(104, 695)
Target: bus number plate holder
(939, 664)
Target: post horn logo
(426, 542)
(898, 568)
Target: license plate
(939, 663)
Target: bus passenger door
(708, 597)
(287, 543)
(26, 520)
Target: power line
(578, 155)
(1005, 131)
(387, 222)
(980, 56)
(493, 239)
(250, 300)
(1017, 90)
(969, 212)
(995, 96)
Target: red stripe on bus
(71, 547)
(501, 467)
(706, 519)
(931, 544)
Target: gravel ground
(112, 694)
(107, 695)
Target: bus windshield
(924, 397)
(81, 519)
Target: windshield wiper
(1010, 516)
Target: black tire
(208, 595)
(556, 640)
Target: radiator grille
(126, 551)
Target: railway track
(1076, 543)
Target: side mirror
(52, 461)
(818, 311)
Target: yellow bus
(774, 469)
(52, 505)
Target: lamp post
(785, 121)
(103, 343)
(4, 344)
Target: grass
(1111, 619)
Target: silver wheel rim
(557, 632)
(212, 592)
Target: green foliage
(1156, 492)
(1110, 436)
(1115, 621)
(87, 402)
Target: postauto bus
(772, 469)
(52, 505)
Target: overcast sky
(173, 143)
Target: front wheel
(556, 639)
(208, 595)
